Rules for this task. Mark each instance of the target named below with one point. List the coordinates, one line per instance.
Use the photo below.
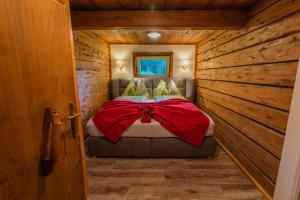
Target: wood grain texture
(37, 71)
(256, 154)
(268, 16)
(260, 6)
(159, 4)
(271, 140)
(286, 27)
(274, 118)
(246, 78)
(139, 36)
(277, 97)
(201, 179)
(275, 74)
(93, 71)
(281, 50)
(209, 37)
(201, 19)
(262, 182)
(274, 12)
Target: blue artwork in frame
(153, 67)
(152, 64)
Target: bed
(150, 139)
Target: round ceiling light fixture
(153, 35)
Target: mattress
(145, 130)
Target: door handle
(72, 117)
(52, 129)
(75, 115)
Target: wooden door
(36, 71)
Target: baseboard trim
(237, 162)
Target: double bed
(149, 139)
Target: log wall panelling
(209, 37)
(260, 157)
(277, 97)
(287, 26)
(283, 49)
(93, 71)
(278, 74)
(260, 6)
(274, 118)
(242, 154)
(239, 156)
(276, 11)
(246, 79)
(269, 12)
(266, 185)
(267, 138)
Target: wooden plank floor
(169, 179)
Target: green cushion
(161, 89)
(141, 89)
(130, 89)
(172, 88)
(136, 90)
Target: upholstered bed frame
(185, 85)
(151, 147)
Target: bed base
(150, 148)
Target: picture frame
(162, 58)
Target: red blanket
(179, 116)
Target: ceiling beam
(192, 19)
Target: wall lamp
(120, 65)
(185, 64)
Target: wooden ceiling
(161, 4)
(139, 36)
(167, 19)
(178, 21)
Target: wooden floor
(169, 179)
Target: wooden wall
(245, 81)
(93, 71)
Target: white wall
(123, 53)
(289, 170)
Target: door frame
(288, 179)
(79, 120)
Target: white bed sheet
(145, 130)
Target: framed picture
(152, 64)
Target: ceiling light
(154, 35)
